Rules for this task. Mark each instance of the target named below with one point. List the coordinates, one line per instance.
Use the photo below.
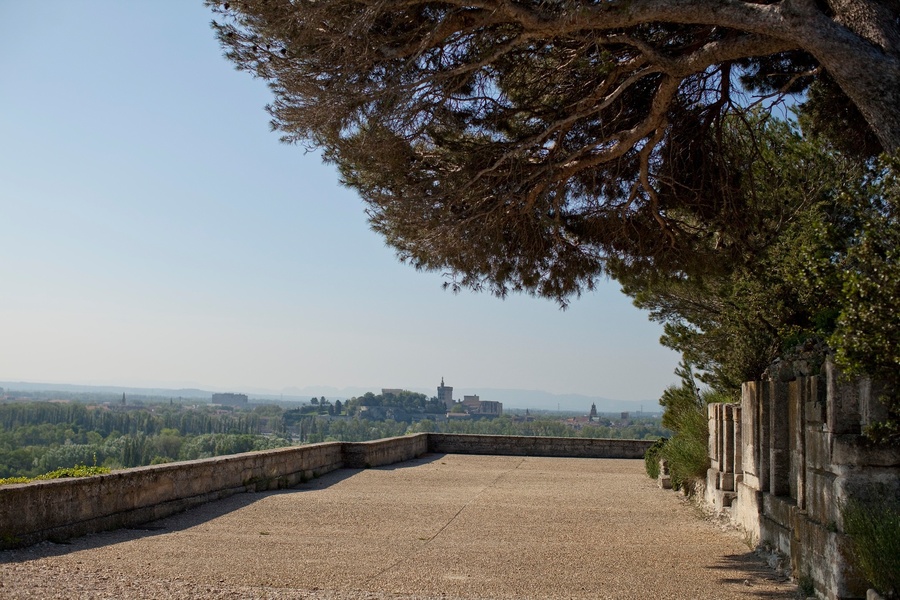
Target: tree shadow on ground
(190, 517)
(755, 573)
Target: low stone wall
(364, 455)
(536, 446)
(65, 508)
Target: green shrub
(76, 471)
(874, 529)
(687, 452)
(9, 480)
(652, 457)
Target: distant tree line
(38, 437)
(311, 429)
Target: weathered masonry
(65, 508)
(785, 459)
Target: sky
(155, 232)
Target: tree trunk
(875, 89)
(867, 70)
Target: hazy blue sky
(153, 231)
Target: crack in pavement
(450, 521)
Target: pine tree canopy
(522, 145)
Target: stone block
(814, 399)
(664, 482)
(725, 499)
(820, 497)
(871, 408)
(726, 482)
(854, 450)
(745, 511)
(750, 480)
(779, 440)
(712, 485)
(778, 509)
(818, 449)
(750, 428)
(775, 534)
(842, 402)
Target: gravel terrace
(443, 526)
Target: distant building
(489, 408)
(445, 394)
(230, 399)
(477, 407)
(593, 414)
(391, 391)
(471, 403)
(626, 416)
(578, 422)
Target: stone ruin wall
(786, 457)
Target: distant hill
(26, 386)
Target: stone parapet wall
(365, 455)
(65, 508)
(797, 454)
(536, 446)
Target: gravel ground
(443, 526)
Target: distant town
(403, 405)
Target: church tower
(593, 414)
(445, 394)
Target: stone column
(713, 426)
(779, 439)
(798, 390)
(737, 442)
(727, 444)
(764, 405)
(749, 432)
